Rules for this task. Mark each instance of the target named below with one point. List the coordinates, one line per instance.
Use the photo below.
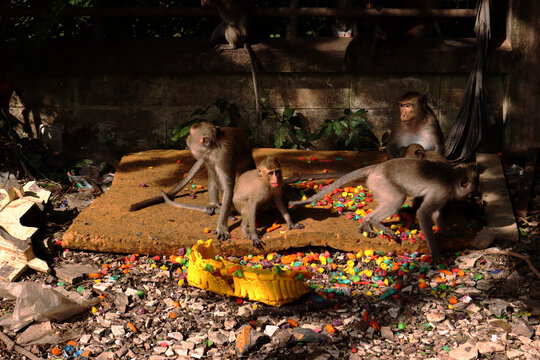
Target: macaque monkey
(235, 30)
(254, 189)
(345, 27)
(417, 124)
(226, 152)
(391, 182)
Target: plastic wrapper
(38, 302)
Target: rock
(435, 316)
(503, 324)
(281, 338)
(219, 337)
(74, 273)
(387, 333)
(41, 333)
(245, 311)
(175, 335)
(270, 330)
(121, 301)
(468, 291)
(118, 330)
(488, 347)
(465, 351)
(499, 307)
(513, 283)
(197, 353)
(514, 354)
(484, 285)
(522, 327)
(248, 339)
(467, 261)
(307, 335)
(102, 286)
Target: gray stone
(522, 327)
(499, 307)
(248, 340)
(219, 337)
(484, 285)
(244, 311)
(488, 347)
(387, 333)
(307, 335)
(270, 330)
(465, 351)
(435, 316)
(281, 338)
(118, 330)
(74, 273)
(514, 354)
(500, 323)
(121, 301)
(468, 291)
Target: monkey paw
(223, 235)
(258, 243)
(212, 210)
(296, 226)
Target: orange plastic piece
(446, 272)
(461, 273)
(287, 259)
(293, 323)
(423, 285)
(439, 280)
(94, 275)
(132, 327)
(172, 315)
(273, 227)
(375, 325)
(330, 329)
(56, 351)
(452, 300)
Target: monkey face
(407, 113)
(273, 177)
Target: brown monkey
(255, 188)
(391, 182)
(235, 29)
(226, 152)
(417, 151)
(417, 124)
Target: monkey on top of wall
(417, 124)
(234, 29)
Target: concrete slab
(108, 226)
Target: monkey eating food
(226, 152)
(416, 124)
(391, 182)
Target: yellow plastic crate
(259, 285)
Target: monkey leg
(285, 214)
(206, 209)
(175, 190)
(222, 229)
(426, 223)
(249, 213)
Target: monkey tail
(251, 56)
(175, 190)
(354, 175)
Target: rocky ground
(474, 304)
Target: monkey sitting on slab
(391, 182)
(255, 189)
(417, 124)
(226, 152)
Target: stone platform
(108, 226)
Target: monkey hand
(222, 233)
(212, 209)
(296, 226)
(258, 243)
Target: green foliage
(351, 130)
(220, 113)
(289, 132)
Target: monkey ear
(465, 182)
(419, 154)
(260, 173)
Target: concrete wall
(132, 95)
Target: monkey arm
(285, 213)
(175, 190)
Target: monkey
(344, 27)
(391, 182)
(418, 124)
(234, 28)
(226, 152)
(253, 190)
(417, 151)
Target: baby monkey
(417, 151)
(391, 182)
(254, 189)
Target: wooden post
(521, 118)
(293, 20)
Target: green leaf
(347, 112)
(337, 128)
(288, 113)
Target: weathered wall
(133, 95)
